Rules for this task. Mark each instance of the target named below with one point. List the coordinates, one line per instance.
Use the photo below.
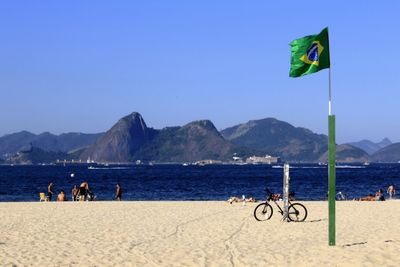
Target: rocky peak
(133, 123)
(205, 124)
(120, 142)
(385, 142)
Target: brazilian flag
(310, 54)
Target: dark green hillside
(278, 138)
(195, 141)
(347, 154)
(390, 153)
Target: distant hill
(35, 155)
(64, 142)
(347, 154)
(389, 153)
(371, 147)
(130, 139)
(12, 143)
(278, 138)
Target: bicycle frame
(279, 207)
(271, 198)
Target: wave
(108, 168)
(321, 167)
(350, 167)
(299, 167)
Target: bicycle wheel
(297, 212)
(263, 212)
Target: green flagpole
(331, 171)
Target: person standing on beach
(50, 191)
(74, 193)
(83, 190)
(118, 192)
(391, 191)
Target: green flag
(310, 54)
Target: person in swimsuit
(50, 191)
(74, 193)
(83, 188)
(391, 191)
(379, 195)
(370, 197)
(118, 192)
(62, 196)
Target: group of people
(379, 195)
(233, 199)
(83, 193)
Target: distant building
(262, 160)
(207, 162)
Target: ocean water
(177, 182)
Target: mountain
(198, 140)
(371, 147)
(35, 155)
(12, 143)
(64, 142)
(122, 141)
(347, 154)
(278, 138)
(389, 153)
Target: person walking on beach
(74, 193)
(118, 192)
(391, 191)
(50, 191)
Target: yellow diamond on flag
(313, 53)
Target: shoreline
(190, 200)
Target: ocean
(210, 182)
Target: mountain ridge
(371, 147)
(390, 153)
(12, 143)
(130, 139)
(280, 138)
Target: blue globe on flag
(312, 52)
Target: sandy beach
(194, 234)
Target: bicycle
(296, 212)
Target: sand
(194, 234)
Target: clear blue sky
(81, 65)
